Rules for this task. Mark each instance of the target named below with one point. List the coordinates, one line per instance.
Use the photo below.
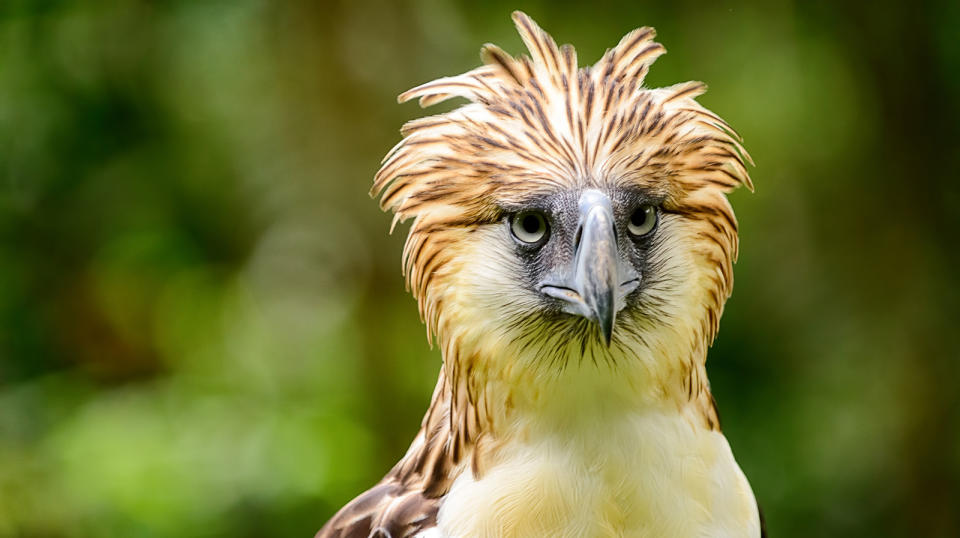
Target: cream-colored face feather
(538, 132)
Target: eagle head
(567, 215)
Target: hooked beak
(592, 287)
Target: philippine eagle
(571, 252)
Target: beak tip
(589, 286)
(606, 327)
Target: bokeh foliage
(203, 328)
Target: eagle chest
(617, 484)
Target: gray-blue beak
(596, 283)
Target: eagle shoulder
(387, 510)
(405, 503)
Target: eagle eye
(529, 226)
(642, 221)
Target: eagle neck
(498, 396)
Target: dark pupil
(639, 217)
(531, 224)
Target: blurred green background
(204, 330)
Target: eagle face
(582, 255)
(590, 269)
(613, 272)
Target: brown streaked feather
(388, 510)
(406, 501)
(494, 55)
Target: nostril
(576, 238)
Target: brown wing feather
(388, 510)
(406, 501)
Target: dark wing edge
(406, 501)
(387, 510)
